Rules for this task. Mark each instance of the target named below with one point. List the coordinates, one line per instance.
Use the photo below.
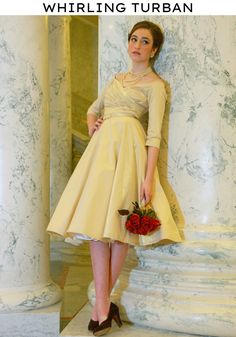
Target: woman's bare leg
(100, 257)
(119, 252)
(107, 262)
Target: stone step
(78, 328)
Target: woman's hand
(94, 125)
(146, 191)
(98, 123)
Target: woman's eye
(134, 39)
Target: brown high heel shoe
(92, 325)
(105, 326)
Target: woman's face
(140, 46)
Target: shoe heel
(117, 319)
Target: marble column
(25, 281)
(188, 287)
(60, 106)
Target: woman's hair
(157, 35)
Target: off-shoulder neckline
(159, 80)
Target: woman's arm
(156, 105)
(146, 187)
(151, 162)
(94, 112)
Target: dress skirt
(107, 178)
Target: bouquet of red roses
(142, 220)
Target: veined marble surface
(60, 106)
(25, 281)
(189, 287)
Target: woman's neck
(139, 68)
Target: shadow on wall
(84, 67)
(84, 76)
(163, 168)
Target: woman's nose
(137, 44)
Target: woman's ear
(154, 50)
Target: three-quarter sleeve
(156, 107)
(97, 107)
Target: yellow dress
(110, 172)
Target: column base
(187, 288)
(22, 299)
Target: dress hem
(162, 241)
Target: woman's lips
(136, 53)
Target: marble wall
(59, 106)
(186, 287)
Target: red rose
(154, 223)
(145, 220)
(135, 220)
(133, 223)
(145, 227)
(128, 225)
(143, 231)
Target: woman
(117, 168)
